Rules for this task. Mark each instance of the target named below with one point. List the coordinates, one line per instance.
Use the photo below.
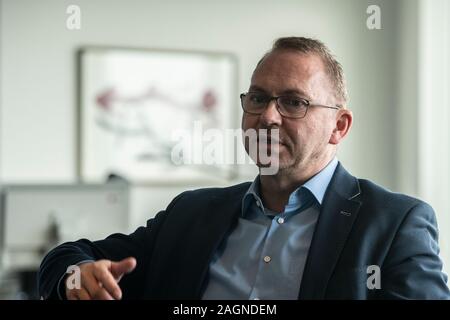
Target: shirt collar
(252, 193)
(317, 185)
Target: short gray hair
(313, 46)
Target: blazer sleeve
(115, 247)
(412, 268)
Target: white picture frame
(131, 103)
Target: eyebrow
(284, 92)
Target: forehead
(288, 71)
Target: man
(310, 231)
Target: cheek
(299, 138)
(249, 122)
(299, 132)
(320, 132)
(246, 123)
(306, 135)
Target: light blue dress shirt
(265, 255)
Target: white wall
(423, 115)
(434, 113)
(408, 97)
(38, 79)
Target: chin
(283, 166)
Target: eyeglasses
(289, 106)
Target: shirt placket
(266, 261)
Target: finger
(118, 269)
(82, 294)
(95, 290)
(71, 294)
(108, 282)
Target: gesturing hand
(99, 280)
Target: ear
(344, 120)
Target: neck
(276, 189)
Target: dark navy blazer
(360, 225)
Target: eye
(257, 98)
(293, 102)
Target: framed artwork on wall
(142, 113)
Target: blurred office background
(398, 81)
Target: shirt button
(280, 220)
(258, 204)
(267, 259)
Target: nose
(271, 116)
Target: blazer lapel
(339, 211)
(221, 217)
(183, 277)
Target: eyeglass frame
(307, 102)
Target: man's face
(305, 140)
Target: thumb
(118, 269)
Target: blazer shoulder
(237, 189)
(192, 198)
(378, 196)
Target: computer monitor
(38, 217)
